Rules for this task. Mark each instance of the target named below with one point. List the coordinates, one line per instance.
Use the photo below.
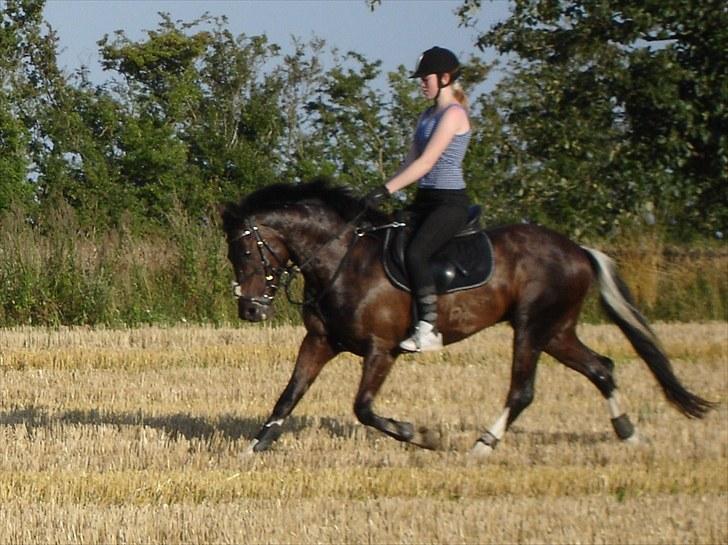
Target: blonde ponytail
(460, 96)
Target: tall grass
(55, 273)
(674, 283)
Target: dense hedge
(56, 273)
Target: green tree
(348, 119)
(20, 22)
(203, 120)
(611, 109)
(237, 129)
(13, 156)
(48, 124)
(160, 94)
(301, 76)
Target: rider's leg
(425, 337)
(439, 226)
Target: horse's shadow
(233, 428)
(175, 425)
(545, 438)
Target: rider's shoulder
(455, 116)
(455, 110)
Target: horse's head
(258, 256)
(280, 222)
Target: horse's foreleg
(375, 370)
(520, 394)
(315, 351)
(569, 350)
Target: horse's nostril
(253, 313)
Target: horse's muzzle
(254, 310)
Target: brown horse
(538, 285)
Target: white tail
(616, 297)
(617, 302)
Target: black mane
(273, 197)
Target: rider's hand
(376, 196)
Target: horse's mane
(340, 199)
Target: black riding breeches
(441, 214)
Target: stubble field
(138, 435)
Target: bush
(55, 273)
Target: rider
(434, 160)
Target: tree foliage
(611, 114)
(19, 35)
(613, 111)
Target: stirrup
(424, 339)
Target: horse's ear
(222, 209)
(227, 210)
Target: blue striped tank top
(447, 172)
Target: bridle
(270, 272)
(288, 271)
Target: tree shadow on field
(177, 425)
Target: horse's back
(538, 262)
(534, 241)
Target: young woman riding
(441, 204)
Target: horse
(538, 285)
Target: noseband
(270, 272)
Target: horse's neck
(316, 242)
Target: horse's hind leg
(569, 350)
(375, 370)
(520, 393)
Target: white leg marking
(254, 442)
(615, 411)
(481, 451)
(497, 430)
(613, 402)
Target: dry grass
(136, 436)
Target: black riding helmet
(437, 60)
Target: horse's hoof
(426, 438)
(251, 450)
(636, 440)
(481, 451)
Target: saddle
(465, 262)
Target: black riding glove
(376, 196)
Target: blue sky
(395, 33)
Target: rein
(315, 299)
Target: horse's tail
(617, 302)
